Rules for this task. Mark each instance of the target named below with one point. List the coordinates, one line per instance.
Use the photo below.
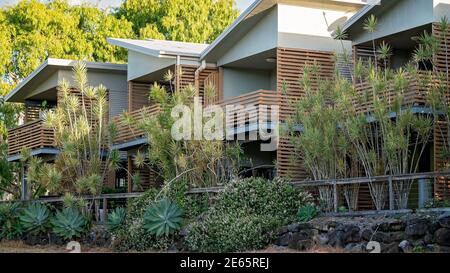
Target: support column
(23, 184)
(130, 171)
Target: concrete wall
(238, 81)
(441, 8)
(309, 20)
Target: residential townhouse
(39, 92)
(265, 48)
(264, 51)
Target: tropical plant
(371, 26)
(307, 213)
(163, 218)
(69, 223)
(200, 162)
(10, 226)
(35, 218)
(116, 219)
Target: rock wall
(395, 234)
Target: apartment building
(257, 61)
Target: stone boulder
(442, 237)
(444, 220)
(417, 227)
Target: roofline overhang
(244, 15)
(63, 63)
(149, 51)
(360, 14)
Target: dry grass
(20, 247)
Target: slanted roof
(361, 14)
(259, 6)
(50, 66)
(158, 48)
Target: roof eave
(233, 25)
(355, 18)
(50, 62)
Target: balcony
(259, 98)
(414, 95)
(33, 136)
(127, 133)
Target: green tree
(181, 20)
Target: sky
(241, 4)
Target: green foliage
(197, 21)
(132, 235)
(163, 218)
(245, 216)
(438, 203)
(10, 226)
(35, 218)
(307, 213)
(69, 223)
(116, 219)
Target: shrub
(116, 219)
(245, 216)
(69, 224)
(10, 227)
(35, 218)
(132, 235)
(163, 218)
(307, 213)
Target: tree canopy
(199, 21)
(32, 31)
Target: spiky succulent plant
(115, 219)
(163, 218)
(35, 218)
(69, 223)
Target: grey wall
(260, 38)
(398, 16)
(237, 81)
(140, 65)
(118, 103)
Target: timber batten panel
(138, 95)
(33, 135)
(290, 70)
(441, 140)
(148, 177)
(128, 132)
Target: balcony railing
(33, 135)
(419, 84)
(127, 132)
(262, 100)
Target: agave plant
(163, 218)
(35, 218)
(69, 223)
(116, 219)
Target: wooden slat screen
(441, 137)
(33, 135)
(415, 94)
(138, 95)
(213, 81)
(149, 178)
(126, 133)
(290, 69)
